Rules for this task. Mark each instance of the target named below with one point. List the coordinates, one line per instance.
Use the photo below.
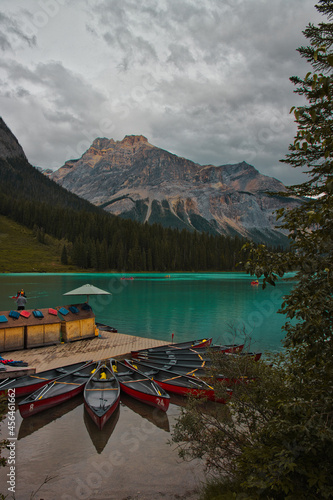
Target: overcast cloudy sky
(207, 80)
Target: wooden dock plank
(108, 345)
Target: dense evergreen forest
(94, 239)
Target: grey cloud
(119, 33)
(218, 90)
(17, 72)
(65, 88)
(4, 43)
(180, 55)
(11, 34)
(21, 92)
(60, 117)
(62, 105)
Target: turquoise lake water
(131, 457)
(188, 305)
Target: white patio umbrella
(88, 290)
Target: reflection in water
(36, 422)
(217, 410)
(154, 415)
(99, 437)
(178, 400)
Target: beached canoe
(101, 394)
(29, 383)
(139, 386)
(106, 328)
(176, 383)
(60, 390)
(195, 344)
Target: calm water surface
(131, 457)
(153, 305)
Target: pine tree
(277, 444)
(64, 257)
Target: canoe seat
(152, 372)
(95, 379)
(124, 373)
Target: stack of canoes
(194, 359)
(191, 361)
(176, 383)
(149, 378)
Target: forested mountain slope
(93, 238)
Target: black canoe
(60, 390)
(195, 344)
(139, 386)
(181, 370)
(194, 360)
(190, 352)
(101, 394)
(29, 383)
(185, 354)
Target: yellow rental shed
(30, 329)
(78, 322)
(11, 332)
(42, 330)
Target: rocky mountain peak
(129, 141)
(133, 140)
(102, 143)
(9, 145)
(134, 179)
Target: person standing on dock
(21, 301)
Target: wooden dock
(107, 345)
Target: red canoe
(177, 383)
(101, 395)
(56, 392)
(27, 384)
(139, 386)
